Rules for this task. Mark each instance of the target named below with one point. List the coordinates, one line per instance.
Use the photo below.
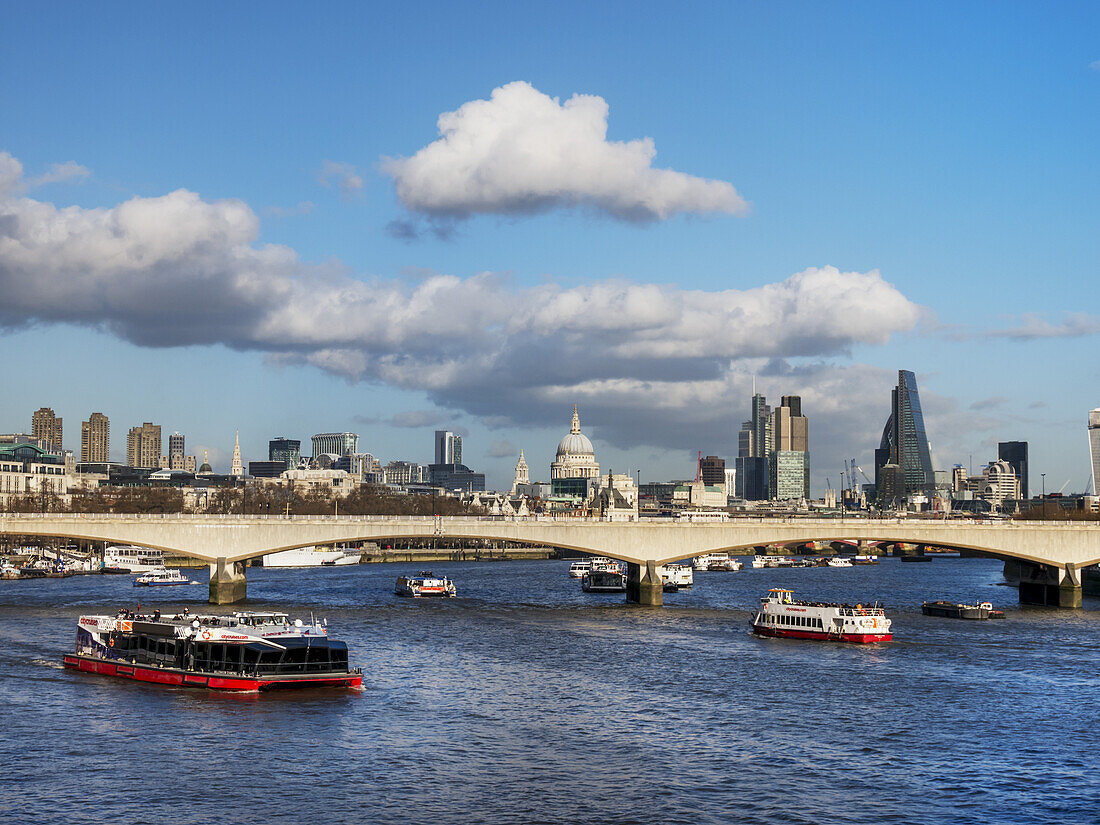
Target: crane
(1060, 489)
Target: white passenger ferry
(128, 558)
(578, 568)
(716, 562)
(680, 575)
(838, 561)
(163, 577)
(311, 557)
(782, 615)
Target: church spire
(238, 467)
(576, 428)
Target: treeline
(366, 500)
(1053, 511)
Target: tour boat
(712, 562)
(772, 561)
(164, 577)
(783, 616)
(603, 581)
(578, 568)
(864, 559)
(680, 575)
(126, 558)
(311, 557)
(424, 584)
(244, 651)
(838, 561)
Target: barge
(243, 652)
(978, 611)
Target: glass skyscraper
(1094, 448)
(904, 440)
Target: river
(525, 700)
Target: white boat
(680, 575)
(578, 568)
(782, 615)
(772, 561)
(716, 562)
(425, 583)
(164, 577)
(838, 561)
(311, 557)
(129, 558)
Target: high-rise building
(95, 434)
(286, 450)
(762, 472)
(712, 470)
(1015, 453)
(46, 429)
(904, 441)
(337, 444)
(176, 459)
(143, 446)
(1094, 448)
(448, 447)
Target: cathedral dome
(575, 458)
(575, 444)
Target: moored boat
(838, 561)
(680, 575)
(603, 581)
(783, 616)
(979, 611)
(242, 652)
(128, 558)
(425, 583)
(164, 577)
(716, 562)
(578, 568)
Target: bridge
(1050, 555)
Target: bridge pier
(227, 582)
(1050, 586)
(643, 584)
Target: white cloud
(59, 173)
(302, 208)
(502, 449)
(650, 364)
(1073, 325)
(342, 176)
(522, 151)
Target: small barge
(242, 652)
(979, 611)
(783, 616)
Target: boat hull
(819, 636)
(211, 681)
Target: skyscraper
(46, 429)
(143, 446)
(773, 451)
(95, 434)
(712, 470)
(1015, 453)
(904, 441)
(286, 450)
(1094, 448)
(448, 447)
(176, 460)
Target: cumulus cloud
(649, 363)
(341, 176)
(523, 152)
(1072, 325)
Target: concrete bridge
(1050, 554)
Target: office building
(337, 444)
(904, 442)
(95, 435)
(143, 446)
(448, 447)
(712, 470)
(286, 450)
(1094, 448)
(176, 459)
(46, 429)
(457, 477)
(1015, 453)
(266, 469)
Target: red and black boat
(245, 652)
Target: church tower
(237, 470)
(522, 476)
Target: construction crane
(865, 474)
(1060, 489)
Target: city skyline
(290, 273)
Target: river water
(525, 700)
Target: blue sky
(950, 147)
